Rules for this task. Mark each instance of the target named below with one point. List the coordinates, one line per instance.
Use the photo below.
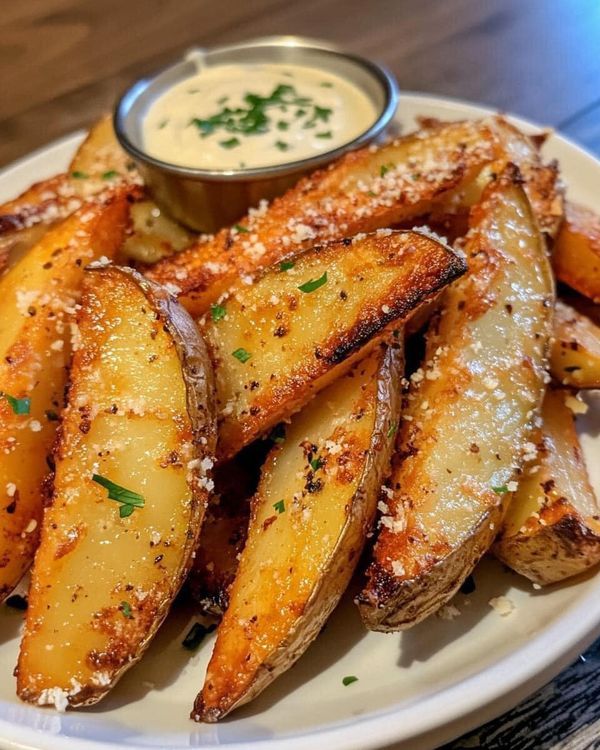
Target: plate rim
(532, 664)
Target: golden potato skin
(140, 414)
(552, 529)
(37, 308)
(468, 415)
(576, 256)
(274, 346)
(313, 508)
(575, 352)
(365, 190)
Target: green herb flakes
(349, 679)
(313, 284)
(326, 134)
(279, 506)
(286, 265)
(110, 174)
(316, 463)
(241, 229)
(79, 175)
(282, 145)
(217, 312)
(230, 142)
(241, 355)
(503, 489)
(392, 429)
(20, 406)
(129, 500)
(125, 608)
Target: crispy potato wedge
(552, 528)
(276, 342)
(100, 154)
(154, 235)
(541, 182)
(365, 190)
(130, 490)
(468, 416)
(575, 352)
(314, 506)
(98, 167)
(576, 256)
(37, 306)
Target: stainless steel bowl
(207, 200)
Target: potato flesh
(575, 353)
(365, 190)
(127, 420)
(576, 255)
(37, 299)
(560, 473)
(297, 562)
(294, 342)
(470, 412)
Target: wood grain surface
(64, 62)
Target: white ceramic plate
(421, 687)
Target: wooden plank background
(64, 62)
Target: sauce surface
(246, 116)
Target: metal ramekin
(207, 200)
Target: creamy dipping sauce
(246, 116)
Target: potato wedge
(552, 528)
(154, 235)
(37, 307)
(576, 256)
(365, 190)
(276, 342)
(575, 352)
(100, 156)
(130, 490)
(541, 182)
(314, 506)
(468, 418)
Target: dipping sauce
(257, 115)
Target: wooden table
(64, 62)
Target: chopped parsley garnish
(230, 142)
(327, 84)
(16, 601)
(217, 312)
(286, 265)
(19, 406)
(110, 174)
(392, 429)
(254, 115)
(241, 229)
(79, 175)
(385, 168)
(51, 416)
(279, 506)
(313, 284)
(241, 354)
(349, 679)
(282, 145)
(222, 100)
(196, 635)
(163, 124)
(278, 433)
(325, 134)
(125, 608)
(316, 463)
(129, 500)
(500, 490)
